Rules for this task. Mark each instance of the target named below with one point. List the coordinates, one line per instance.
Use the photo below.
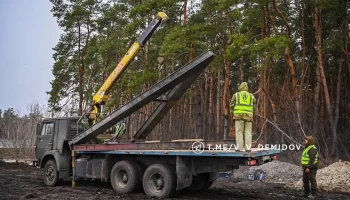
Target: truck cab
(52, 149)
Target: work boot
(313, 193)
(305, 194)
(306, 191)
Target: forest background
(293, 54)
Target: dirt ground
(21, 181)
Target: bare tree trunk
(317, 25)
(205, 104)
(225, 99)
(218, 105)
(304, 67)
(211, 106)
(81, 73)
(82, 66)
(336, 113)
(317, 101)
(294, 78)
(202, 109)
(89, 84)
(170, 129)
(289, 60)
(184, 118)
(185, 12)
(241, 69)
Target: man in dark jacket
(309, 162)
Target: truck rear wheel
(200, 182)
(125, 177)
(141, 170)
(159, 180)
(50, 173)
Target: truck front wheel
(159, 181)
(125, 177)
(50, 173)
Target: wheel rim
(122, 178)
(50, 173)
(156, 182)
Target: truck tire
(125, 177)
(141, 170)
(200, 182)
(159, 180)
(50, 173)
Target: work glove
(307, 170)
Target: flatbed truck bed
(255, 153)
(212, 148)
(193, 167)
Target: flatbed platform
(185, 147)
(185, 144)
(206, 153)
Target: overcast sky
(27, 35)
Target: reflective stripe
(250, 111)
(239, 98)
(244, 105)
(251, 100)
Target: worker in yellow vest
(309, 162)
(242, 107)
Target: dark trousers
(310, 178)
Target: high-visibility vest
(119, 129)
(305, 156)
(244, 103)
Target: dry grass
(17, 153)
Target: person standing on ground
(242, 108)
(309, 162)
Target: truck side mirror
(38, 128)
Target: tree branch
(282, 17)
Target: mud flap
(64, 173)
(213, 176)
(183, 172)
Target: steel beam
(180, 75)
(164, 107)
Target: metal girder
(164, 107)
(177, 77)
(152, 26)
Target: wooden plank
(188, 140)
(152, 141)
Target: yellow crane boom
(101, 97)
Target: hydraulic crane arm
(102, 95)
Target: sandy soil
(20, 181)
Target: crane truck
(159, 168)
